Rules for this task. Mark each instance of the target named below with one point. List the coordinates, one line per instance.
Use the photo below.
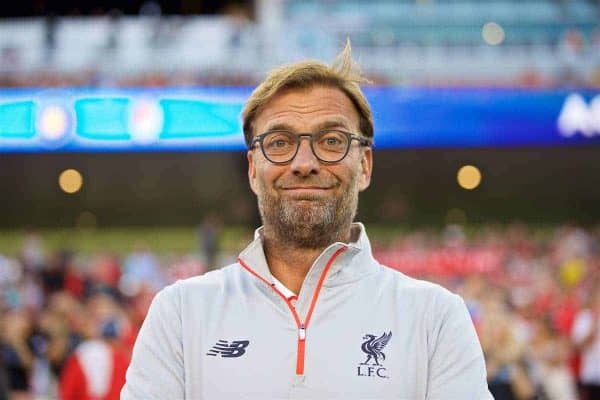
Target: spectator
(550, 354)
(16, 352)
(96, 370)
(209, 232)
(586, 336)
(142, 268)
(524, 294)
(505, 358)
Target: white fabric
(95, 359)
(432, 353)
(590, 356)
(282, 288)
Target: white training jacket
(358, 330)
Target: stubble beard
(312, 222)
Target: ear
(366, 169)
(251, 170)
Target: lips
(296, 185)
(308, 187)
(306, 192)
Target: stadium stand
(538, 43)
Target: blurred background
(122, 169)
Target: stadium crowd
(68, 321)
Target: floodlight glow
(53, 123)
(145, 121)
(492, 33)
(70, 181)
(468, 177)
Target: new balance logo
(236, 348)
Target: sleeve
(156, 369)
(456, 366)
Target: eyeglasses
(328, 145)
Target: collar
(352, 264)
(348, 262)
(283, 289)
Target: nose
(305, 163)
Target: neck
(290, 263)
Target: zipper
(301, 349)
(302, 326)
(301, 332)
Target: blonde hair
(344, 74)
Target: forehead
(307, 109)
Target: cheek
(348, 175)
(266, 176)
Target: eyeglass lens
(329, 145)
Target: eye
(279, 141)
(332, 141)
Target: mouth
(310, 191)
(305, 188)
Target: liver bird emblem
(373, 347)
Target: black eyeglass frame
(363, 142)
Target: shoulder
(424, 293)
(419, 286)
(207, 286)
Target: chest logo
(373, 348)
(236, 348)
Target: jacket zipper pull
(302, 332)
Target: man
(307, 312)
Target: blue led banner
(208, 119)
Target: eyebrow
(336, 122)
(279, 126)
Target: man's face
(307, 203)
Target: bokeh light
(70, 181)
(53, 123)
(145, 121)
(468, 177)
(492, 33)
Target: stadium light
(492, 33)
(70, 181)
(145, 121)
(468, 177)
(53, 124)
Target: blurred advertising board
(208, 119)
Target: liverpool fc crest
(373, 347)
